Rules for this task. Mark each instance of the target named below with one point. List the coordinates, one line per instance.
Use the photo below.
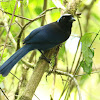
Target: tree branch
(9, 28)
(72, 77)
(36, 76)
(44, 8)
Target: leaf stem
(94, 38)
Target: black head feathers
(66, 18)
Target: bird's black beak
(72, 19)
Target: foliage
(9, 6)
(88, 53)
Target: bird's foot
(46, 59)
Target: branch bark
(36, 76)
(44, 8)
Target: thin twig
(6, 25)
(15, 76)
(36, 96)
(78, 45)
(94, 38)
(10, 34)
(9, 28)
(88, 14)
(87, 74)
(28, 18)
(20, 34)
(15, 15)
(6, 45)
(4, 93)
(70, 75)
(75, 58)
(49, 10)
(79, 26)
(29, 65)
(44, 8)
(19, 24)
(32, 20)
(78, 64)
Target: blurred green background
(90, 23)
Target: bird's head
(66, 18)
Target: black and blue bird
(42, 38)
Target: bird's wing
(31, 37)
(49, 34)
(53, 33)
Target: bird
(42, 38)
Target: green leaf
(38, 10)
(86, 40)
(86, 68)
(9, 6)
(88, 53)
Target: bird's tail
(8, 65)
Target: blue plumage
(42, 38)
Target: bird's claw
(48, 60)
